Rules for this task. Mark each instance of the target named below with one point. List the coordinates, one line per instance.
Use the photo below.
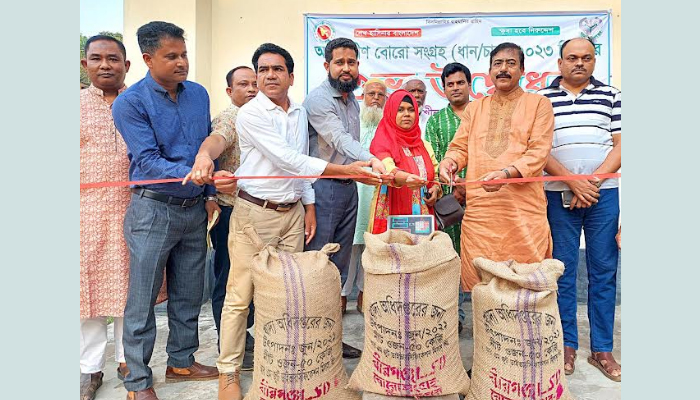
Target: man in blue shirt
(164, 119)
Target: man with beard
(163, 119)
(418, 89)
(222, 144)
(506, 135)
(440, 130)
(334, 136)
(587, 140)
(371, 111)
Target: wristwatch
(210, 198)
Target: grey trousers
(160, 238)
(336, 215)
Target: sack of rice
(518, 341)
(375, 396)
(298, 326)
(411, 345)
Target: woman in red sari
(397, 142)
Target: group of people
(143, 244)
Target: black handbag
(448, 211)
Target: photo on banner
(400, 47)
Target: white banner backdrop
(396, 48)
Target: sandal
(569, 360)
(605, 362)
(122, 372)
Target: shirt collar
(556, 84)
(335, 92)
(155, 86)
(269, 105)
(99, 92)
(508, 97)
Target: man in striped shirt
(587, 140)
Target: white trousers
(93, 343)
(356, 274)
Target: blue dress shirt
(162, 135)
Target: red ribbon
(543, 179)
(492, 182)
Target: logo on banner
(324, 32)
(591, 27)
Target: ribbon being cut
(477, 182)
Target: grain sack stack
(518, 341)
(298, 326)
(411, 343)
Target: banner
(397, 48)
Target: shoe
(469, 373)
(248, 361)
(359, 302)
(122, 372)
(605, 362)
(148, 394)
(343, 304)
(569, 360)
(195, 372)
(230, 386)
(351, 352)
(88, 392)
(459, 327)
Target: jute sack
(518, 341)
(298, 326)
(411, 346)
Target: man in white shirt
(274, 141)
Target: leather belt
(164, 198)
(266, 204)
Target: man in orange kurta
(507, 135)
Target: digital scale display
(415, 224)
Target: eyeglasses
(510, 63)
